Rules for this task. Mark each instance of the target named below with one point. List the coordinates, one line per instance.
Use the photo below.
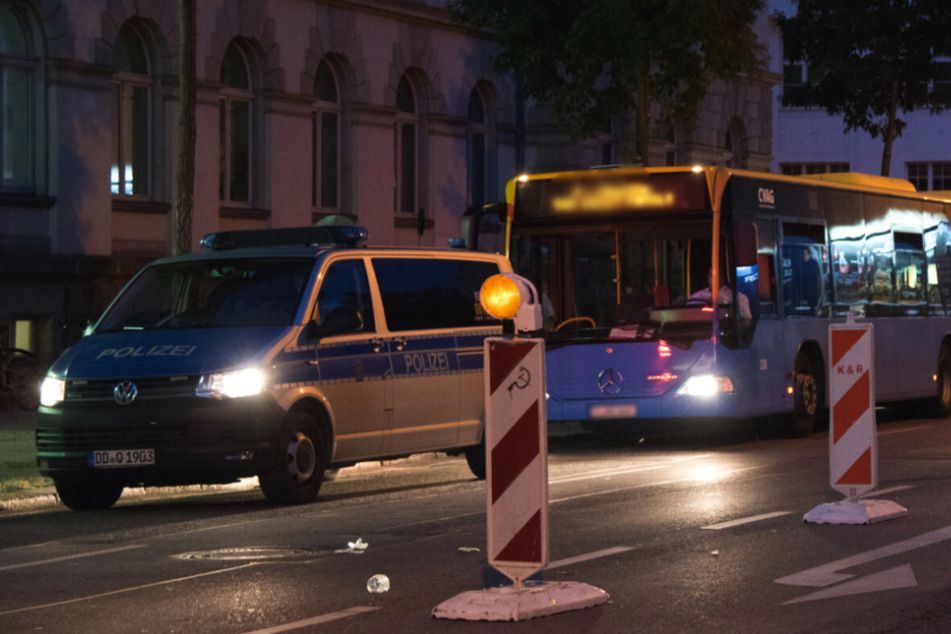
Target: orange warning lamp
(511, 296)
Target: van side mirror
(337, 322)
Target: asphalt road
(685, 536)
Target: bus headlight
(706, 385)
(52, 391)
(233, 384)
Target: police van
(278, 354)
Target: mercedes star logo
(609, 381)
(125, 392)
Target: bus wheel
(475, 458)
(805, 399)
(302, 459)
(944, 386)
(86, 494)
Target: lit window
(130, 134)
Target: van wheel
(301, 461)
(944, 385)
(802, 421)
(475, 458)
(86, 494)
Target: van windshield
(211, 293)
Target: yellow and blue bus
(631, 263)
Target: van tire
(475, 458)
(802, 420)
(82, 493)
(301, 461)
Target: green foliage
(873, 59)
(592, 59)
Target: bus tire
(81, 493)
(475, 458)
(802, 421)
(301, 461)
(944, 384)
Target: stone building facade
(374, 111)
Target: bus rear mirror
(745, 241)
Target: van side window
(422, 294)
(343, 301)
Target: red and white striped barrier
(853, 450)
(853, 437)
(516, 440)
(516, 443)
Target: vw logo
(609, 381)
(125, 392)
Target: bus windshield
(626, 281)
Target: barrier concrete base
(855, 512)
(512, 603)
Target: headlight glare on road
(52, 391)
(234, 384)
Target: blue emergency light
(290, 236)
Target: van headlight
(233, 384)
(52, 391)
(705, 385)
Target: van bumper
(195, 440)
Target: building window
(405, 145)
(16, 70)
(478, 144)
(235, 128)
(797, 169)
(130, 133)
(930, 176)
(325, 140)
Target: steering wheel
(568, 321)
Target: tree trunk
(185, 178)
(890, 130)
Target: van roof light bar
(292, 236)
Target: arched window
(16, 100)
(235, 127)
(325, 140)
(478, 149)
(131, 139)
(407, 123)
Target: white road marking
(877, 492)
(607, 552)
(604, 473)
(646, 485)
(892, 579)
(68, 557)
(904, 431)
(745, 520)
(111, 593)
(826, 574)
(324, 618)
